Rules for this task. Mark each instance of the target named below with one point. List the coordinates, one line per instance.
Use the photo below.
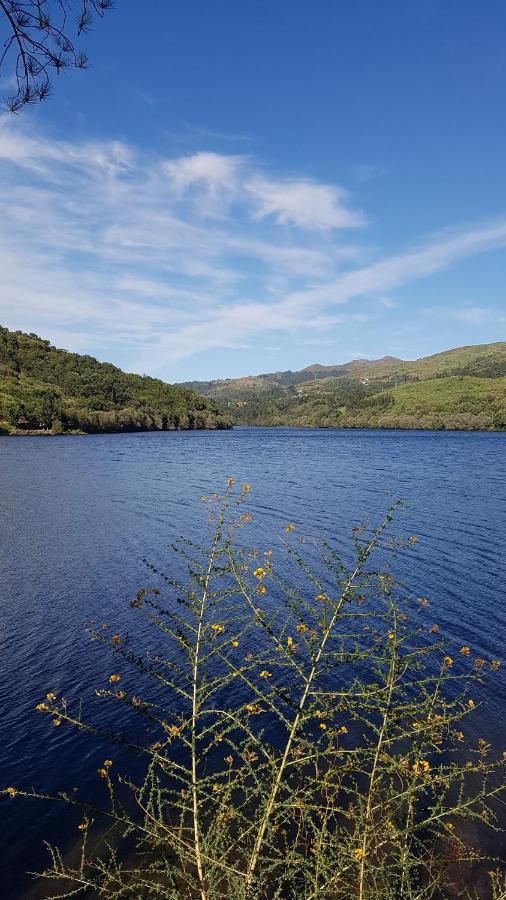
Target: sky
(236, 188)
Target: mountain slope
(43, 388)
(460, 388)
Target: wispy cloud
(303, 203)
(212, 133)
(467, 313)
(102, 245)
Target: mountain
(229, 387)
(43, 388)
(460, 388)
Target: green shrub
(310, 734)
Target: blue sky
(240, 188)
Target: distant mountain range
(43, 389)
(463, 388)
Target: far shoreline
(352, 428)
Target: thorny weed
(310, 747)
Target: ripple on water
(77, 515)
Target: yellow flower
(51, 696)
(290, 527)
(56, 722)
(465, 650)
(358, 854)
(113, 679)
(229, 760)
(320, 598)
(107, 763)
(471, 704)
(230, 482)
(11, 791)
(173, 730)
(234, 643)
(449, 826)
(301, 628)
(421, 768)
(245, 518)
(342, 730)
(265, 674)
(448, 661)
(253, 708)
(289, 643)
(413, 539)
(391, 635)
(41, 707)
(83, 826)
(323, 726)
(459, 735)
(218, 739)
(216, 788)
(259, 573)
(261, 589)
(102, 773)
(217, 628)
(246, 488)
(116, 639)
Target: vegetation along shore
(464, 388)
(44, 390)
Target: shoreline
(67, 434)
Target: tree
(40, 41)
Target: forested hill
(461, 388)
(46, 389)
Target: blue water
(78, 514)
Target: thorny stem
(195, 673)
(309, 683)
(409, 812)
(372, 779)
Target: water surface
(78, 514)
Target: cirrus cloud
(106, 248)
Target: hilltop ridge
(464, 387)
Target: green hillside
(460, 388)
(42, 389)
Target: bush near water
(306, 734)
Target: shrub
(307, 733)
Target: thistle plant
(307, 733)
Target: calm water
(78, 514)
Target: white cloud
(114, 248)
(303, 203)
(216, 178)
(211, 169)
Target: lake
(78, 514)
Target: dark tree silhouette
(40, 40)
